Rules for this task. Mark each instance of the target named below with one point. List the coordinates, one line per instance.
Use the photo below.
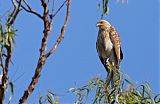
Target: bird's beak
(97, 24)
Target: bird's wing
(100, 46)
(115, 39)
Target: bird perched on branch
(109, 48)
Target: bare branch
(14, 4)
(16, 11)
(32, 12)
(52, 6)
(59, 8)
(62, 31)
(29, 9)
(42, 58)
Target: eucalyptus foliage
(49, 98)
(129, 93)
(7, 35)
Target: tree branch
(15, 13)
(62, 31)
(29, 9)
(10, 21)
(42, 58)
(59, 8)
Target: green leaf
(138, 93)
(11, 87)
(9, 14)
(99, 6)
(129, 82)
(148, 86)
(106, 2)
(53, 94)
(95, 100)
(148, 93)
(49, 99)
(107, 11)
(71, 90)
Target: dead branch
(29, 9)
(42, 58)
(59, 8)
(62, 33)
(15, 12)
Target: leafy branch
(129, 94)
(6, 47)
(50, 98)
(105, 8)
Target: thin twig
(15, 13)
(53, 6)
(62, 31)
(59, 8)
(14, 4)
(27, 4)
(30, 10)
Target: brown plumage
(109, 50)
(108, 44)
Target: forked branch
(62, 32)
(47, 20)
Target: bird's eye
(101, 22)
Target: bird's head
(103, 24)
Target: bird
(109, 49)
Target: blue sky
(76, 59)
